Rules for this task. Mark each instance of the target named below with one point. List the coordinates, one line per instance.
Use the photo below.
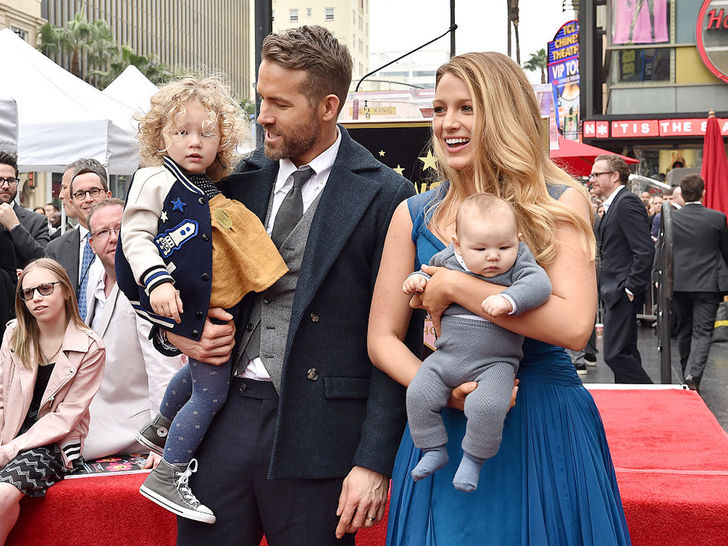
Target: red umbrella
(715, 167)
(577, 158)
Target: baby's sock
(468, 473)
(432, 461)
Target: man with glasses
(626, 253)
(28, 230)
(73, 250)
(136, 374)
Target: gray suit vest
(270, 317)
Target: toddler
(470, 348)
(185, 248)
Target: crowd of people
(245, 319)
(629, 263)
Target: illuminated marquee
(641, 128)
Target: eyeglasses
(592, 176)
(106, 233)
(11, 181)
(44, 289)
(80, 195)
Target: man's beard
(8, 199)
(299, 140)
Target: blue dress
(551, 482)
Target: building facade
(192, 34)
(648, 81)
(22, 17)
(348, 20)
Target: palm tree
(155, 71)
(78, 38)
(537, 61)
(513, 18)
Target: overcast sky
(406, 24)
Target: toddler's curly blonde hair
(171, 101)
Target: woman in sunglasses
(51, 365)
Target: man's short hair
(108, 202)
(692, 187)
(83, 166)
(617, 165)
(6, 158)
(314, 49)
(86, 163)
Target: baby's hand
(496, 305)
(414, 284)
(165, 301)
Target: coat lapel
(610, 212)
(108, 311)
(345, 200)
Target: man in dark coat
(626, 253)
(28, 229)
(700, 244)
(303, 448)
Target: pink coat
(63, 417)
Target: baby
(471, 348)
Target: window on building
(22, 33)
(293, 15)
(329, 14)
(308, 12)
(642, 65)
(424, 73)
(641, 42)
(395, 74)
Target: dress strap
(418, 205)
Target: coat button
(243, 387)
(199, 315)
(195, 333)
(205, 237)
(205, 276)
(266, 300)
(312, 374)
(201, 200)
(314, 317)
(249, 327)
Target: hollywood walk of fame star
(429, 161)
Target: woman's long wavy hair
(510, 160)
(25, 339)
(170, 102)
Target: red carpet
(671, 457)
(670, 453)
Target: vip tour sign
(563, 74)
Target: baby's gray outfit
(473, 349)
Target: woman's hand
(436, 296)
(458, 394)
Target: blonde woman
(552, 481)
(51, 365)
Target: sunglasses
(44, 289)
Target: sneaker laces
(182, 483)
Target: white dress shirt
(310, 190)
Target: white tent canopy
(8, 126)
(133, 89)
(61, 117)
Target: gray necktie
(291, 208)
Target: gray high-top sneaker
(153, 435)
(168, 486)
